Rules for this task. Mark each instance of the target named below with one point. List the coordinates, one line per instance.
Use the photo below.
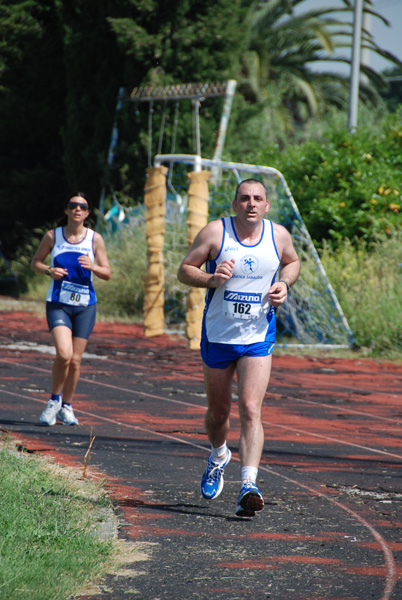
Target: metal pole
(220, 141)
(367, 26)
(355, 67)
(197, 104)
(230, 90)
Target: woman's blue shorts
(80, 319)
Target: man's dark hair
(250, 181)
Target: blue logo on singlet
(251, 298)
(249, 264)
(72, 287)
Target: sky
(388, 38)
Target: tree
(282, 48)
(31, 105)
(164, 43)
(393, 94)
(61, 67)
(93, 70)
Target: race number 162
(241, 309)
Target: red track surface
(330, 473)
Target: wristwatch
(286, 283)
(47, 272)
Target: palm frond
(285, 43)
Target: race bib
(74, 294)
(241, 305)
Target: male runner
(243, 255)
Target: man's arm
(289, 269)
(205, 246)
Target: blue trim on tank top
(246, 245)
(273, 241)
(74, 243)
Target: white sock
(249, 474)
(219, 454)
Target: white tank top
(76, 288)
(239, 312)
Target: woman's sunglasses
(72, 205)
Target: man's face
(251, 202)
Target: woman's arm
(38, 262)
(101, 268)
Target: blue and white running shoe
(212, 479)
(66, 415)
(48, 417)
(249, 501)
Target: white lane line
(339, 408)
(190, 404)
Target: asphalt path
(330, 472)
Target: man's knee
(250, 412)
(217, 415)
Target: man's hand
(223, 272)
(278, 292)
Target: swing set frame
(196, 92)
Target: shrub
(123, 295)
(368, 285)
(348, 184)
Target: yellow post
(154, 288)
(197, 218)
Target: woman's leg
(73, 374)
(82, 321)
(62, 338)
(63, 342)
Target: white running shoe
(66, 415)
(249, 501)
(48, 417)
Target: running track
(330, 474)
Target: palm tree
(284, 44)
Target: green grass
(368, 284)
(48, 515)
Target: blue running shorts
(80, 319)
(220, 356)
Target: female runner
(76, 253)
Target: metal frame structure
(197, 92)
(180, 91)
